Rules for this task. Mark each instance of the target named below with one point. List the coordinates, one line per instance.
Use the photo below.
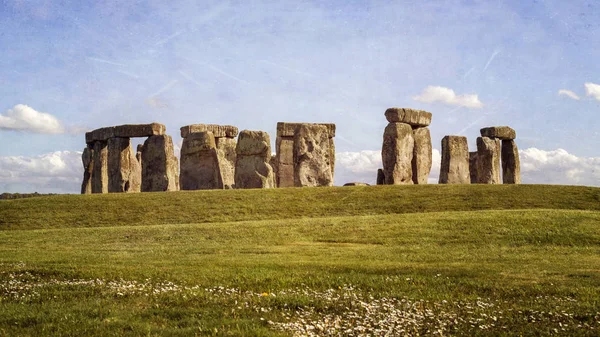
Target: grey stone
(125, 131)
(511, 165)
(421, 161)
(160, 171)
(380, 177)
(100, 171)
(473, 167)
(218, 131)
(397, 153)
(356, 184)
(455, 161)
(87, 157)
(200, 168)
(124, 174)
(418, 118)
(287, 129)
(253, 154)
(501, 132)
(284, 160)
(488, 160)
(312, 156)
(226, 153)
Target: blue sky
(252, 64)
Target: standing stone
(397, 154)
(124, 174)
(200, 163)
(312, 156)
(473, 166)
(88, 167)
(380, 177)
(455, 161)
(226, 155)
(253, 153)
(511, 166)
(159, 165)
(285, 161)
(488, 160)
(421, 162)
(138, 154)
(100, 171)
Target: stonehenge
(286, 156)
(252, 168)
(110, 164)
(406, 149)
(208, 156)
(212, 158)
(497, 149)
(454, 168)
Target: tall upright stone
(397, 154)
(88, 168)
(226, 158)
(124, 174)
(422, 157)
(100, 170)
(312, 156)
(200, 168)
(253, 153)
(284, 145)
(488, 160)
(511, 166)
(455, 161)
(473, 167)
(160, 171)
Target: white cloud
(558, 167)
(568, 93)
(25, 118)
(448, 96)
(592, 89)
(56, 172)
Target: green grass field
(397, 260)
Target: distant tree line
(22, 195)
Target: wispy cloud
(99, 60)
(492, 57)
(568, 93)
(25, 118)
(448, 96)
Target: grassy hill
(409, 260)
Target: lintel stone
(218, 131)
(125, 131)
(500, 132)
(285, 129)
(415, 118)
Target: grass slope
(410, 260)
(290, 203)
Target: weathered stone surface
(124, 173)
(273, 163)
(100, 171)
(217, 130)
(285, 161)
(200, 168)
(312, 156)
(455, 161)
(488, 160)
(160, 171)
(125, 131)
(138, 154)
(356, 184)
(408, 116)
(285, 129)
(511, 165)
(252, 169)
(421, 162)
(501, 132)
(226, 152)
(88, 168)
(397, 153)
(473, 167)
(380, 177)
